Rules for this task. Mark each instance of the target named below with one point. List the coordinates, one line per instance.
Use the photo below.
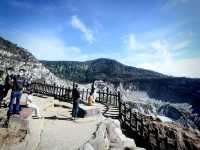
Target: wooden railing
(58, 92)
(65, 94)
(108, 97)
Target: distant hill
(98, 69)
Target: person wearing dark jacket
(7, 85)
(1, 94)
(18, 84)
(76, 99)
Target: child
(29, 104)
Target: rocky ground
(108, 135)
(55, 131)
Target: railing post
(92, 87)
(110, 100)
(73, 85)
(65, 92)
(59, 92)
(54, 90)
(82, 94)
(62, 95)
(130, 117)
(44, 88)
(120, 104)
(125, 112)
(86, 95)
(136, 122)
(103, 96)
(99, 96)
(68, 93)
(107, 92)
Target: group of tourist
(16, 82)
(76, 100)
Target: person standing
(18, 84)
(7, 84)
(1, 94)
(76, 99)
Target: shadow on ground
(58, 118)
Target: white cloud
(78, 24)
(167, 65)
(184, 67)
(132, 43)
(48, 46)
(158, 54)
(182, 44)
(163, 49)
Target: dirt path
(61, 133)
(56, 130)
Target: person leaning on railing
(91, 99)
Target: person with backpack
(17, 88)
(76, 100)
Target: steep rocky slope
(98, 69)
(14, 56)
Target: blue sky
(161, 35)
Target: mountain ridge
(98, 69)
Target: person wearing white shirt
(29, 103)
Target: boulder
(109, 136)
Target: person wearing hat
(18, 84)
